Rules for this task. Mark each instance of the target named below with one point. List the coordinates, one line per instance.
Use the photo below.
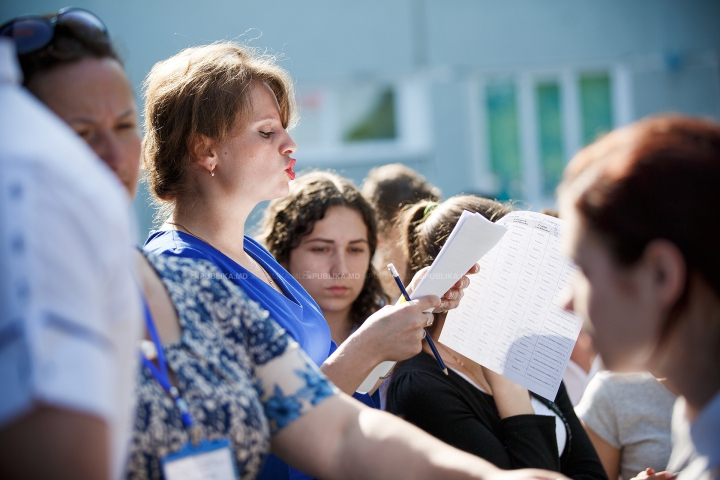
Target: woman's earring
(212, 172)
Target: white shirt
(576, 379)
(69, 305)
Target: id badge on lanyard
(206, 461)
(198, 459)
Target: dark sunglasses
(33, 32)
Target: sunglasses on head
(33, 32)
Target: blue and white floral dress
(242, 376)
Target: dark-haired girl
(324, 233)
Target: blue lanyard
(161, 374)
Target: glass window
(595, 105)
(504, 139)
(552, 159)
(367, 113)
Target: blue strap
(161, 374)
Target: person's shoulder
(613, 388)
(618, 382)
(169, 266)
(211, 289)
(418, 383)
(195, 273)
(604, 377)
(175, 243)
(419, 363)
(597, 393)
(258, 249)
(68, 201)
(24, 119)
(420, 369)
(161, 242)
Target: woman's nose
(107, 147)
(289, 146)
(339, 264)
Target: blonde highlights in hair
(202, 91)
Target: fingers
(430, 319)
(653, 475)
(395, 332)
(452, 297)
(416, 279)
(649, 474)
(428, 302)
(450, 300)
(462, 284)
(453, 294)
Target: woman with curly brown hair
(324, 233)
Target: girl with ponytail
(472, 408)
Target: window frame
(526, 82)
(413, 126)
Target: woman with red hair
(643, 206)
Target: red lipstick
(289, 170)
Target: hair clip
(429, 208)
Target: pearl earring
(212, 172)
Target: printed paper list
(509, 320)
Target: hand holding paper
(451, 299)
(510, 320)
(472, 237)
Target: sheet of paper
(510, 320)
(472, 237)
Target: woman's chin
(279, 193)
(334, 305)
(282, 192)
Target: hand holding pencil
(397, 333)
(427, 337)
(455, 293)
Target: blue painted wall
(672, 48)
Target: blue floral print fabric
(242, 376)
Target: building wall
(661, 55)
